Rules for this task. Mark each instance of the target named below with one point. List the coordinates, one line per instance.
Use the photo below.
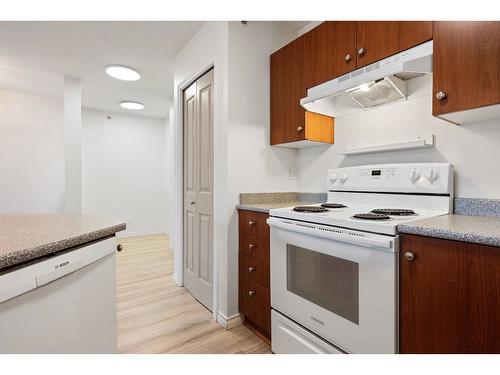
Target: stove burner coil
(394, 211)
(371, 216)
(332, 205)
(309, 209)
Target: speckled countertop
(483, 230)
(263, 202)
(265, 207)
(25, 237)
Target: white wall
(123, 170)
(473, 149)
(31, 153)
(252, 164)
(244, 160)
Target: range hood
(373, 85)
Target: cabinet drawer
(255, 246)
(255, 304)
(253, 223)
(254, 269)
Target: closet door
(198, 189)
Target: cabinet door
(287, 88)
(449, 297)
(378, 39)
(330, 51)
(466, 65)
(414, 33)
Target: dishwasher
(65, 303)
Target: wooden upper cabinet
(330, 51)
(414, 33)
(288, 86)
(449, 296)
(289, 121)
(376, 40)
(466, 67)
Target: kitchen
(359, 116)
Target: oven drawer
(290, 338)
(253, 223)
(254, 246)
(255, 304)
(254, 269)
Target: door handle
(193, 202)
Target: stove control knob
(332, 178)
(413, 175)
(343, 178)
(431, 175)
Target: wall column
(73, 141)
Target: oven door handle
(325, 232)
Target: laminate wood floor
(157, 316)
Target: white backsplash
(473, 149)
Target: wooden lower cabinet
(449, 296)
(254, 295)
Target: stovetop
(426, 188)
(345, 217)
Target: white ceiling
(34, 56)
(40, 51)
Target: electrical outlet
(290, 173)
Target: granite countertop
(263, 202)
(25, 237)
(483, 230)
(265, 207)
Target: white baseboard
(176, 279)
(139, 233)
(229, 322)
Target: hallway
(157, 316)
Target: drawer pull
(251, 246)
(251, 293)
(251, 269)
(251, 222)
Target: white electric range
(334, 267)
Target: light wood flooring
(157, 316)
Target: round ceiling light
(122, 72)
(132, 105)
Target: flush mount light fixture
(132, 105)
(122, 72)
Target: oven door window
(325, 280)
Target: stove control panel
(434, 178)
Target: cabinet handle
(251, 293)
(409, 256)
(441, 95)
(300, 128)
(251, 246)
(251, 269)
(119, 248)
(361, 51)
(251, 222)
(348, 57)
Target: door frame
(179, 187)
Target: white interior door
(198, 188)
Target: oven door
(338, 283)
